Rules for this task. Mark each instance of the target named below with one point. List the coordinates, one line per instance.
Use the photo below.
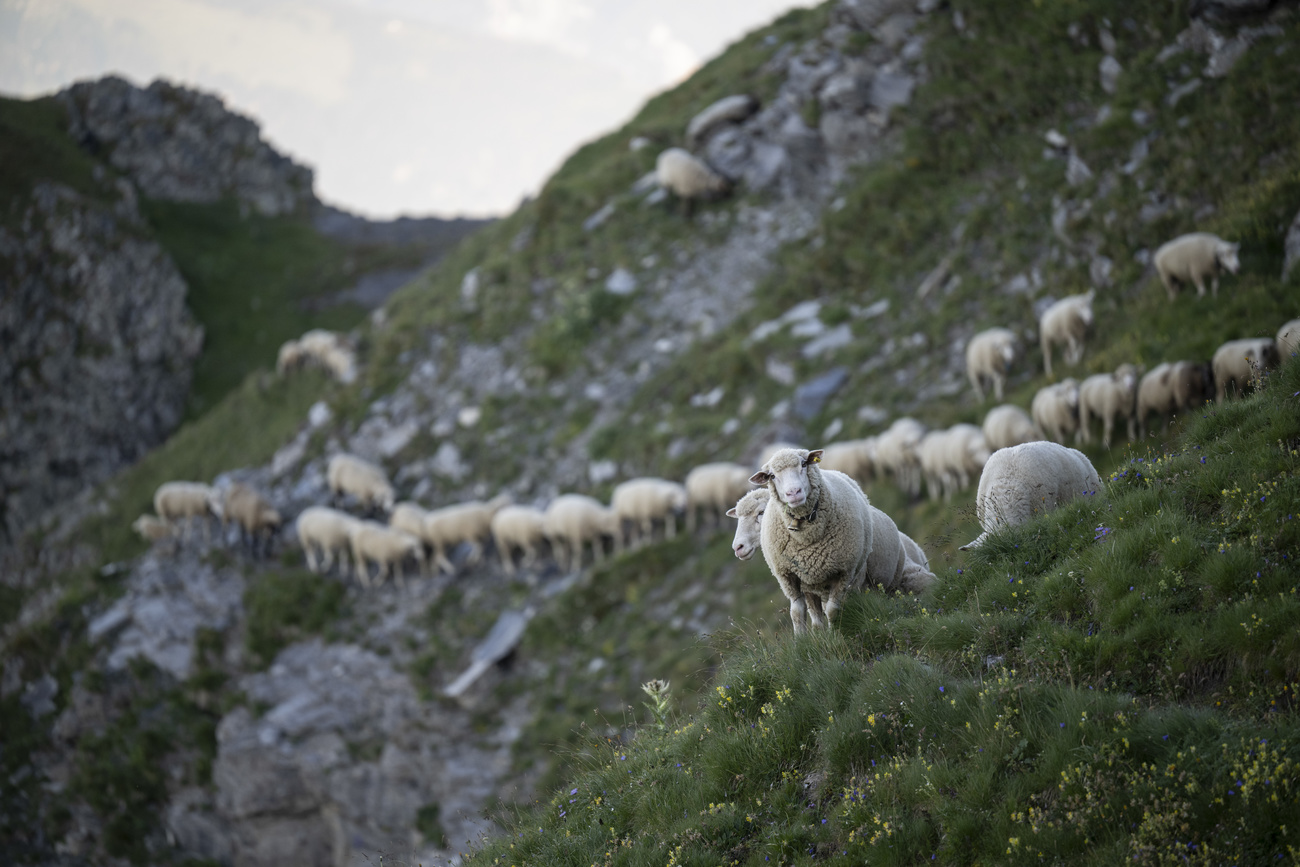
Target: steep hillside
(897, 190)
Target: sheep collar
(810, 518)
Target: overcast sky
(401, 106)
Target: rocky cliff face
(96, 348)
(183, 145)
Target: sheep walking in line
(1288, 338)
(469, 522)
(853, 458)
(1067, 322)
(1109, 396)
(1173, 387)
(521, 527)
(1193, 257)
(1009, 425)
(713, 488)
(326, 534)
(180, 503)
(817, 534)
(930, 451)
(368, 483)
(1241, 363)
(688, 177)
(896, 453)
(257, 520)
(644, 501)
(1028, 480)
(387, 548)
(989, 356)
(1056, 410)
(573, 520)
(410, 518)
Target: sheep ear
(760, 478)
(814, 457)
(731, 513)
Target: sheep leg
(1200, 285)
(670, 526)
(1047, 355)
(508, 559)
(798, 608)
(1214, 285)
(815, 613)
(975, 384)
(998, 382)
(475, 552)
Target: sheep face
(787, 473)
(1225, 254)
(749, 512)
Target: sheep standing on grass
(713, 488)
(322, 348)
(1193, 257)
(1241, 363)
(1027, 480)
(1009, 425)
(1173, 387)
(469, 522)
(325, 534)
(349, 474)
(1109, 396)
(1056, 410)
(989, 356)
(182, 502)
(817, 534)
(1068, 322)
(645, 501)
(257, 519)
(387, 548)
(896, 453)
(1288, 338)
(853, 458)
(688, 177)
(573, 520)
(521, 527)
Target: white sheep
(1009, 425)
(950, 458)
(1055, 410)
(1027, 480)
(713, 488)
(409, 518)
(930, 452)
(322, 348)
(522, 527)
(349, 474)
(182, 502)
(1288, 338)
(855, 458)
(817, 534)
(257, 519)
(290, 357)
(688, 177)
(324, 534)
(387, 547)
(573, 520)
(896, 453)
(1109, 396)
(1068, 321)
(1241, 363)
(645, 501)
(1173, 387)
(1193, 257)
(469, 522)
(748, 512)
(989, 356)
(151, 528)
(729, 109)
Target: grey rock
(196, 829)
(38, 696)
(596, 220)
(1100, 269)
(836, 338)
(469, 285)
(309, 841)
(599, 472)
(1077, 171)
(1176, 94)
(1109, 69)
(810, 397)
(621, 282)
(447, 462)
(780, 371)
(867, 14)
(1137, 155)
(500, 641)
(890, 89)
(1291, 248)
(728, 110)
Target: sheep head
(1225, 253)
(788, 474)
(749, 511)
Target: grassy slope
(1113, 682)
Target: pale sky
(400, 106)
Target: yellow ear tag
(817, 460)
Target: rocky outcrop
(96, 348)
(183, 145)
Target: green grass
(1115, 681)
(35, 146)
(284, 607)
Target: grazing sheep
(572, 520)
(1027, 480)
(1242, 362)
(817, 534)
(257, 519)
(714, 487)
(896, 453)
(1288, 338)
(151, 528)
(322, 348)
(855, 458)
(688, 177)
(1109, 396)
(1056, 410)
(349, 474)
(1009, 425)
(409, 518)
(521, 527)
(183, 502)
(1193, 257)
(1173, 387)
(930, 452)
(748, 512)
(989, 356)
(470, 522)
(949, 458)
(729, 109)
(387, 548)
(291, 355)
(644, 501)
(916, 555)
(1068, 321)
(325, 533)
